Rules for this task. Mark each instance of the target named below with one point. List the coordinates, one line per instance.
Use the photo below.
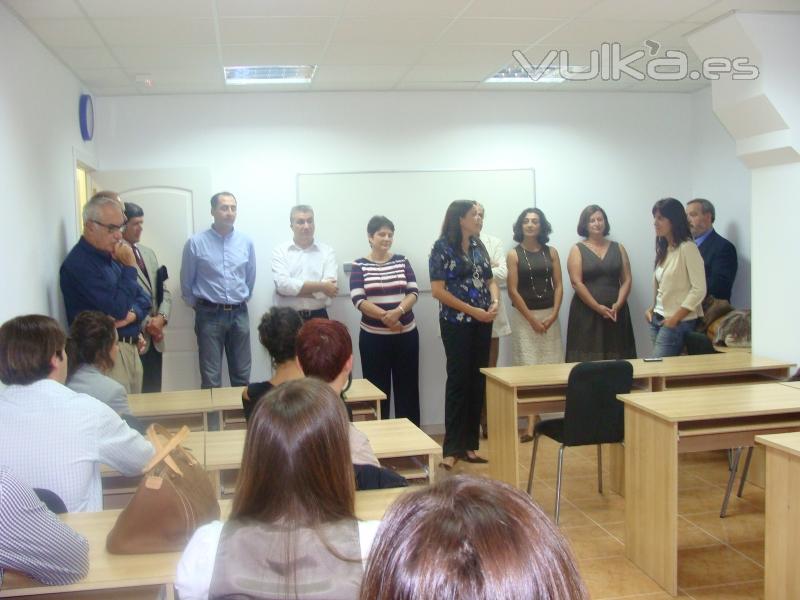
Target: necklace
(547, 278)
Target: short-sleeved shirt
(465, 275)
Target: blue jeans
(666, 341)
(217, 330)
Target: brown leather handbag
(173, 499)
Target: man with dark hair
(50, 436)
(99, 273)
(218, 274)
(147, 271)
(304, 269)
(719, 255)
(324, 350)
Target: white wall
(717, 175)
(39, 135)
(623, 151)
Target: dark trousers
(151, 368)
(392, 362)
(466, 346)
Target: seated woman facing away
(473, 539)
(292, 532)
(276, 332)
(92, 348)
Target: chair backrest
(593, 415)
(698, 343)
(51, 500)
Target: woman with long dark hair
(462, 282)
(292, 532)
(679, 280)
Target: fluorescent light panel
(266, 74)
(516, 74)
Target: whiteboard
(415, 201)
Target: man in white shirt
(50, 436)
(304, 270)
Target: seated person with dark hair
(34, 541)
(50, 436)
(276, 332)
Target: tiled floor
(718, 558)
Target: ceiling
(181, 46)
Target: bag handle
(154, 434)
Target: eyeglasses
(111, 228)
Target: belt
(129, 339)
(312, 314)
(206, 303)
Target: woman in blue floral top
(461, 280)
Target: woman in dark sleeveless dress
(599, 320)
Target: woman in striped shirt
(384, 288)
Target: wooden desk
(171, 404)
(362, 391)
(115, 572)
(658, 426)
(389, 438)
(782, 515)
(515, 391)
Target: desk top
(170, 403)
(792, 384)
(787, 442)
(673, 366)
(717, 402)
(230, 398)
(110, 571)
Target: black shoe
(473, 459)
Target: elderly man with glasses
(99, 273)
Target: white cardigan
(683, 283)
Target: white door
(175, 204)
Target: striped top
(34, 540)
(385, 285)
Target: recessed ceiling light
(516, 74)
(266, 74)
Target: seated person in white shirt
(292, 531)
(34, 541)
(50, 436)
(324, 350)
(304, 270)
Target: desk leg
(169, 592)
(216, 481)
(782, 525)
(651, 496)
(433, 463)
(378, 409)
(616, 467)
(501, 418)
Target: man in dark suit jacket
(719, 255)
(155, 322)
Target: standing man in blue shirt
(99, 273)
(719, 255)
(218, 274)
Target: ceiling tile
(639, 10)
(271, 54)
(69, 33)
(377, 30)
(280, 8)
(275, 30)
(499, 31)
(593, 33)
(360, 86)
(372, 54)
(528, 8)
(779, 5)
(103, 77)
(407, 8)
(444, 73)
(45, 9)
(87, 58)
(137, 31)
(464, 54)
(114, 9)
(139, 58)
(436, 85)
(201, 75)
(267, 88)
(359, 73)
(125, 90)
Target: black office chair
(592, 414)
(51, 500)
(699, 343)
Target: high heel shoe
(474, 459)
